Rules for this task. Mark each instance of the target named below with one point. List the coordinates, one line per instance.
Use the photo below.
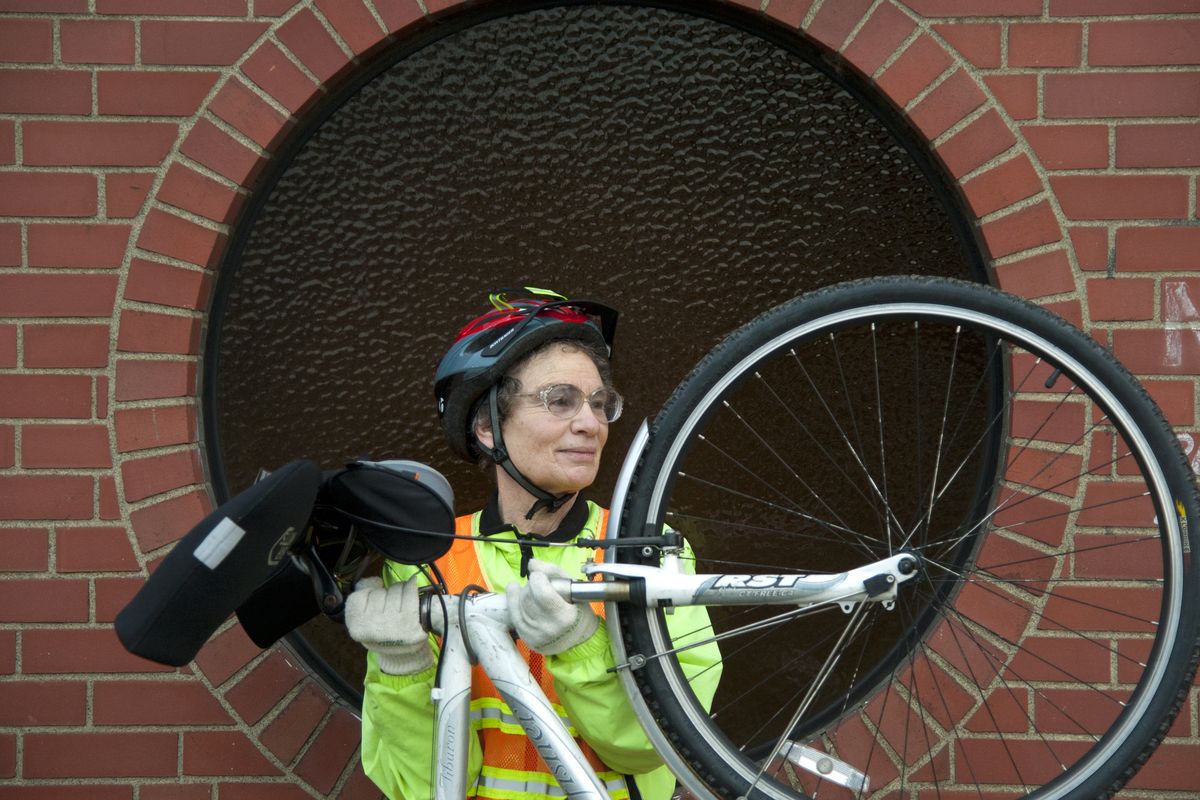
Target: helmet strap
(499, 454)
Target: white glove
(548, 623)
(386, 622)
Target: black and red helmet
(520, 321)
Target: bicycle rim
(1051, 633)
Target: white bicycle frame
(482, 620)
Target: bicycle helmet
(521, 320)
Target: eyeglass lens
(564, 400)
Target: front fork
(486, 621)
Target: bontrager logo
(282, 545)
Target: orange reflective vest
(512, 768)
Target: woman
(527, 388)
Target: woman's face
(559, 455)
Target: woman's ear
(483, 433)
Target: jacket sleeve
(397, 727)
(596, 702)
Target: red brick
(65, 346)
(267, 684)
(359, 787)
(1069, 146)
(1158, 145)
(24, 550)
(1037, 276)
(353, 22)
(25, 91)
(248, 113)
(1171, 768)
(331, 751)
(152, 380)
(174, 8)
(167, 521)
(306, 38)
(1018, 93)
(288, 732)
(45, 6)
(187, 791)
(953, 100)
(46, 396)
(878, 38)
(101, 397)
(1177, 399)
(50, 497)
(112, 595)
(1091, 247)
(834, 21)
(110, 507)
(100, 755)
(187, 189)
(8, 652)
(976, 8)
(977, 43)
(65, 446)
(8, 346)
(215, 149)
(915, 69)
(223, 753)
(160, 426)
(1022, 230)
(271, 71)
(1144, 42)
(225, 654)
(147, 332)
(975, 145)
(84, 143)
(156, 94)
(273, 8)
(1103, 8)
(1123, 299)
(1117, 94)
(8, 142)
(197, 43)
(10, 245)
(26, 40)
(1154, 351)
(8, 756)
(59, 651)
(1002, 185)
(47, 194)
(74, 791)
(1158, 249)
(265, 791)
(125, 193)
(179, 238)
(96, 41)
(38, 704)
(1054, 44)
(400, 14)
(43, 600)
(145, 477)
(152, 282)
(1122, 196)
(78, 246)
(8, 447)
(157, 702)
(94, 550)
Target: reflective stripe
(511, 784)
(492, 712)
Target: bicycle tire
(1052, 635)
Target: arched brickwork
(133, 131)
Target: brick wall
(131, 132)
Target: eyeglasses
(564, 400)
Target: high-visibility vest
(512, 768)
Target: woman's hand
(386, 622)
(548, 623)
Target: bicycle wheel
(1050, 637)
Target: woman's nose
(587, 418)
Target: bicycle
(963, 549)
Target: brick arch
(278, 721)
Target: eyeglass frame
(542, 394)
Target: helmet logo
(282, 545)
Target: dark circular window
(689, 170)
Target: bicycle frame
(482, 621)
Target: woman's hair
(509, 387)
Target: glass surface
(683, 170)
